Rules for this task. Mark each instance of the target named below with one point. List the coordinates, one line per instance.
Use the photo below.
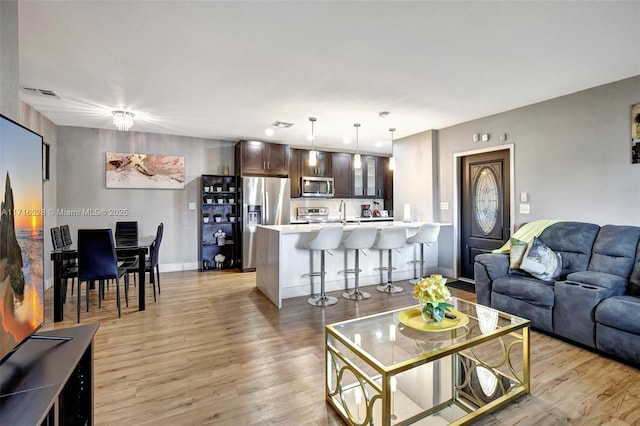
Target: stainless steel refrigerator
(265, 201)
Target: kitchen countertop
(312, 227)
(350, 219)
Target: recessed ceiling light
(282, 124)
(269, 132)
(347, 140)
(383, 114)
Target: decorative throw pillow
(516, 253)
(542, 262)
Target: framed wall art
(635, 133)
(146, 171)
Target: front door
(484, 205)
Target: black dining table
(122, 251)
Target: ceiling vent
(282, 124)
(43, 93)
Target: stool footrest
(384, 268)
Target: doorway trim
(457, 173)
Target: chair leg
(322, 299)
(126, 289)
(421, 274)
(158, 275)
(88, 286)
(389, 287)
(118, 295)
(356, 294)
(100, 293)
(78, 299)
(153, 283)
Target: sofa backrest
(574, 242)
(614, 251)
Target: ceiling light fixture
(357, 161)
(123, 120)
(282, 124)
(312, 153)
(269, 132)
(392, 159)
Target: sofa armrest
(487, 268)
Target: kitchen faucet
(342, 209)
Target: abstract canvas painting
(635, 133)
(148, 171)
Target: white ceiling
(227, 70)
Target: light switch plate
(192, 205)
(444, 205)
(524, 197)
(525, 208)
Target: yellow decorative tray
(413, 318)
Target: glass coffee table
(393, 369)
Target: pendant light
(312, 154)
(357, 161)
(392, 159)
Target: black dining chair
(97, 262)
(66, 235)
(69, 267)
(126, 233)
(56, 238)
(151, 263)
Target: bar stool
(360, 238)
(390, 238)
(427, 235)
(328, 238)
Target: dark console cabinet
(50, 382)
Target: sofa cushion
(541, 262)
(517, 252)
(614, 250)
(574, 241)
(527, 289)
(620, 312)
(599, 279)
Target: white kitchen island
(283, 263)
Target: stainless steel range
(312, 214)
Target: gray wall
(572, 155)
(37, 122)
(80, 164)
(9, 58)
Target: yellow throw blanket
(526, 233)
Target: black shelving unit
(219, 214)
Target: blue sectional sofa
(595, 301)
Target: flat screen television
(21, 236)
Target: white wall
(416, 175)
(37, 122)
(80, 164)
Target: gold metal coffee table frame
(378, 371)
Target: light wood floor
(214, 350)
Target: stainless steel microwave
(312, 186)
